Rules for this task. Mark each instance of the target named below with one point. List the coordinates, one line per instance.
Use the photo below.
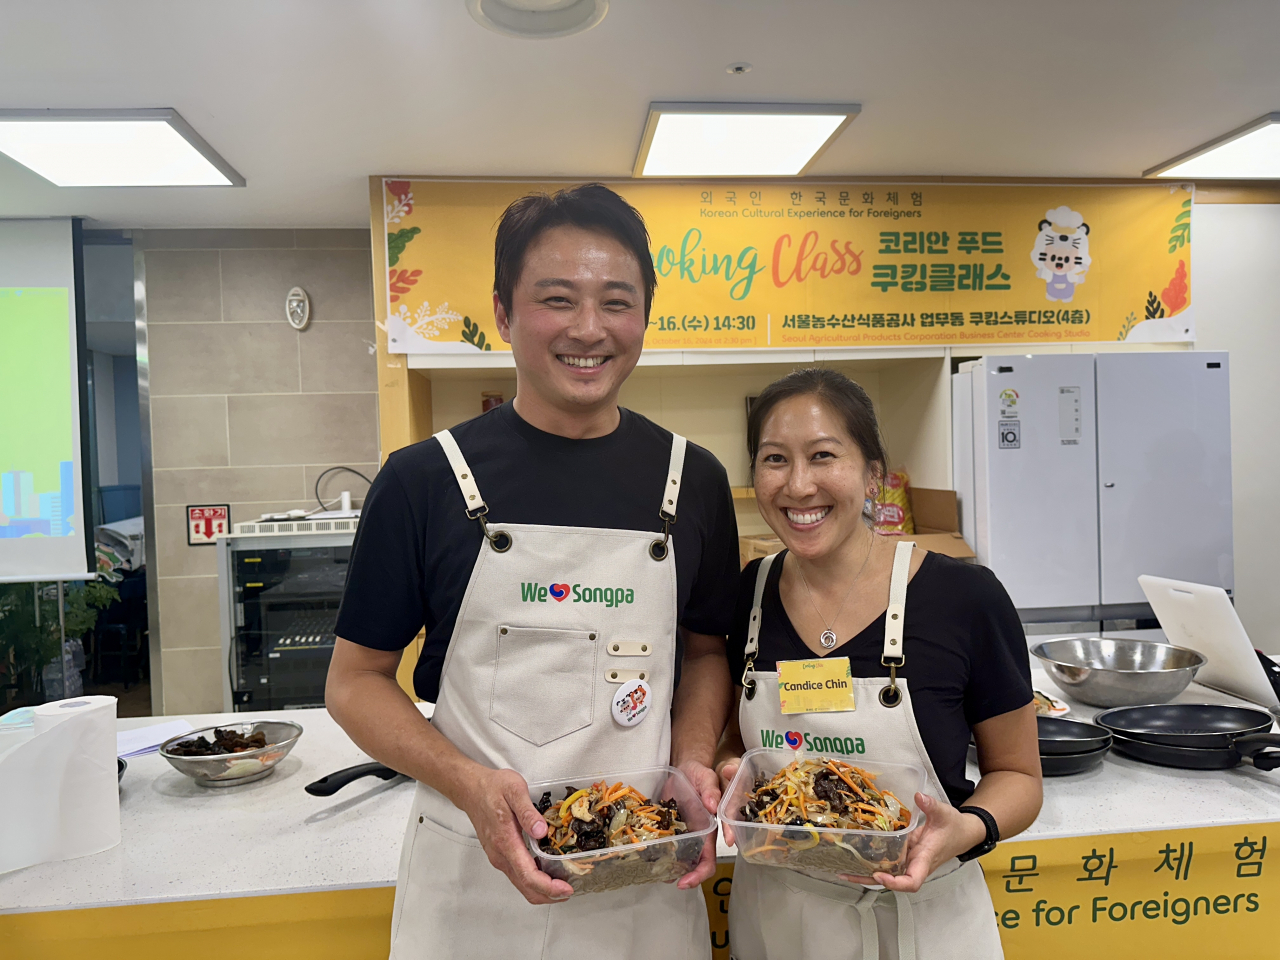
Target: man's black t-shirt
(415, 548)
(966, 653)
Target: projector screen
(43, 529)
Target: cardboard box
(937, 521)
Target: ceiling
(306, 98)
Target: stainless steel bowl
(1118, 673)
(233, 769)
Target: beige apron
(527, 683)
(777, 913)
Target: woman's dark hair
(844, 397)
(592, 206)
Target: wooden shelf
(743, 493)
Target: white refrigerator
(1076, 473)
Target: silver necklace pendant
(828, 639)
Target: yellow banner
(814, 265)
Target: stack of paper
(134, 743)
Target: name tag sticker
(815, 686)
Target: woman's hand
(705, 782)
(946, 833)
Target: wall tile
(174, 558)
(333, 485)
(189, 612)
(230, 484)
(204, 358)
(303, 428)
(189, 432)
(255, 284)
(213, 239)
(192, 680)
(336, 357)
(183, 287)
(342, 239)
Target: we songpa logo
(795, 739)
(576, 593)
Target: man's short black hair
(592, 206)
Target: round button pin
(631, 702)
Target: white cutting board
(1201, 617)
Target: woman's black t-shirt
(966, 653)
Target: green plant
(473, 335)
(1180, 233)
(29, 630)
(396, 242)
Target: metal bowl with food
(1114, 672)
(230, 754)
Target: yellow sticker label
(815, 686)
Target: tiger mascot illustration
(1061, 253)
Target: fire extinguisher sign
(207, 522)
(1010, 433)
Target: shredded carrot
(853, 786)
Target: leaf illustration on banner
(1180, 234)
(1129, 322)
(424, 321)
(473, 335)
(401, 203)
(396, 242)
(400, 281)
(1175, 294)
(1154, 309)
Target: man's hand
(728, 770)
(707, 784)
(497, 801)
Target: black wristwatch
(993, 834)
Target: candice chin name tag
(815, 686)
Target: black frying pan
(1203, 758)
(1196, 725)
(1059, 736)
(1065, 764)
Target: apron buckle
(500, 541)
(891, 696)
(749, 683)
(658, 548)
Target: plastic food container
(664, 858)
(822, 852)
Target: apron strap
(748, 684)
(893, 655)
(893, 617)
(675, 471)
(462, 473)
(906, 927)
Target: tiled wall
(244, 409)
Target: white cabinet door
(1035, 474)
(1164, 470)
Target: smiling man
(539, 546)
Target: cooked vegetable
(823, 793)
(224, 742)
(606, 816)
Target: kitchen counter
(183, 842)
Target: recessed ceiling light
(1251, 152)
(538, 19)
(739, 68)
(738, 139)
(113, 148)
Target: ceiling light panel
(1251, 152)
(122, 148)
(738, 139)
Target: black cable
(323, 505)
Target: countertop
(184, 842)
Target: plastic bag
(893, 507)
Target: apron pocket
(543, 682)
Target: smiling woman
(927, 666)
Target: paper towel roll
(58, 792)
